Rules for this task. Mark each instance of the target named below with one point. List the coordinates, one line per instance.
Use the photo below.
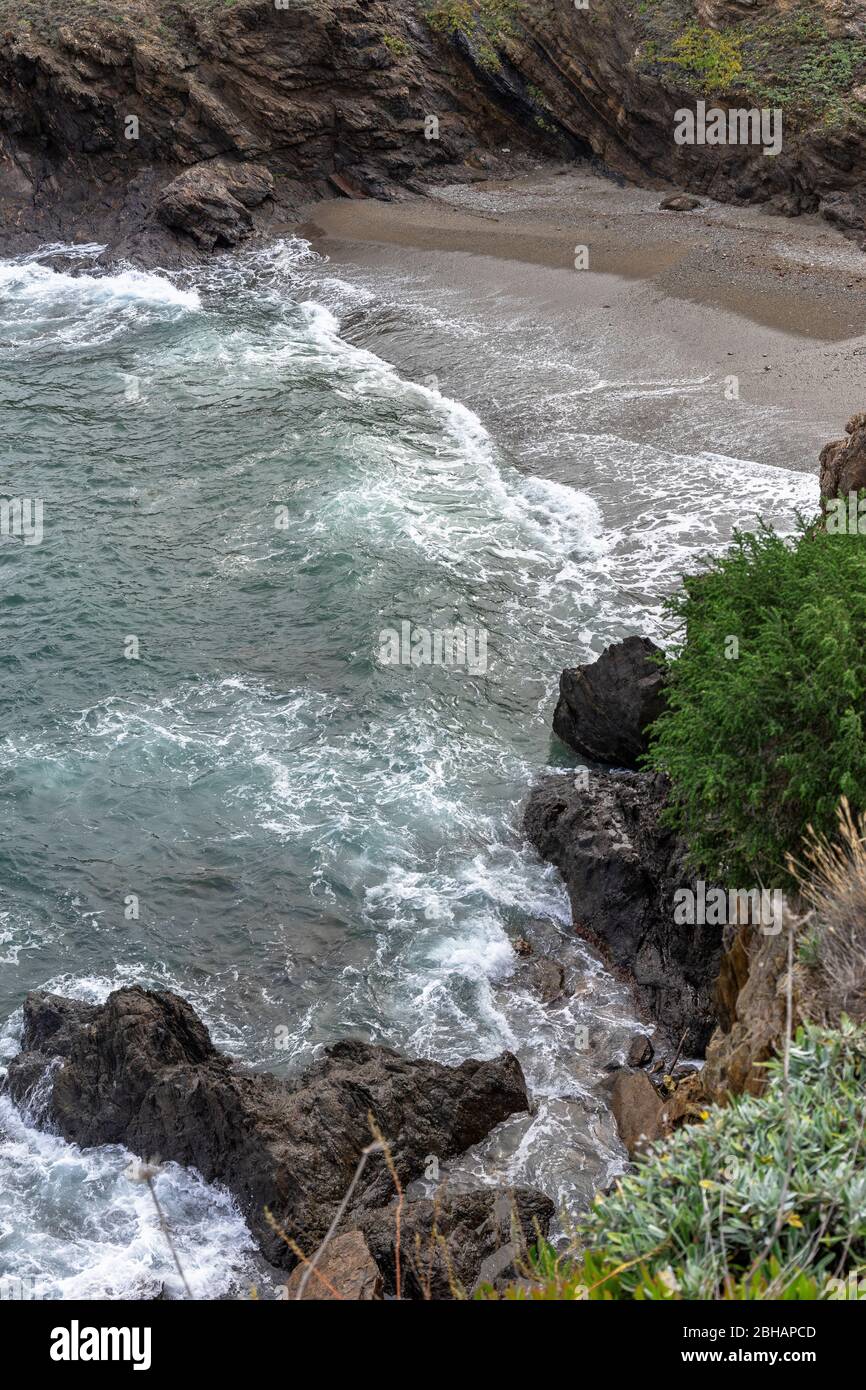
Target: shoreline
(720, 292)
(757, 263)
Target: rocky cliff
(141, 1070)
(104, 107)
(106, 102)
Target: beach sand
(708, 295)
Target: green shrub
(766, 1184)
(597, 1278)
(707, 57)
(762, 740)
(488, 23)
(397, 46)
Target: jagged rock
(752, 1005)
(638, 1110)
(52, 1022)
(640, 1052)
(843, 461)
(347, 1271)
(680, 202)
(606, 707)
(546, 977)
(212, 202)
(484, 1234)
(141, 1070)
(621, 867)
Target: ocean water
(209, 780)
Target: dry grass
(833, 952)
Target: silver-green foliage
(779, 1176)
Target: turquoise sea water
(208, 780)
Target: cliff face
(100, 111)
(617, 73)
(141, 1070)
(323, 88)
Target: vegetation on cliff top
(765, 733)
(787, 58)
(765, 1199)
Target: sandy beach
(717, 293)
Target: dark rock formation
(337, 94)
(211, 203)
(483, 1232)
(843, 461)
(606, 707)
(141, 1070)
(622, 868)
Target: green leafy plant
(772, 1186)
(708, 57)
(487, 23)
(396, 45)
(599, 1278)
(764, 733)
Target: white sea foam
(32, 281)
(402, 808)
(74, 1223)
(42, 307)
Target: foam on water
(29, 281)
(77, 1225)
(321, 844)
(44, 307)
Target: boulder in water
(606, 707)
(622, 866)
(141, 1070)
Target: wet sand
(778, 303)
